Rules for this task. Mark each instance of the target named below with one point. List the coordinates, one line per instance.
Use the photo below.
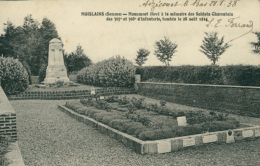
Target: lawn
(47, 136)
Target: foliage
(30, 42)
(42, 72)
(14, 77)
(112, 99)
(99, 116)
(240, 75)
(114, 72)
(213, 47)
(138, 103)
(107, 119)
(164, 50)
(141, 56)
(256, 45)
(123, 101)
(77, 60)
(103, 105)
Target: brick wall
(245, 100)
(7, 117)
(70, 94)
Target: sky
(103, 39)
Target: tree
(29, 43)
(141, 56)
(164, 50)
(77, 60)
(213, 47)
(256, 45)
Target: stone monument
(56, 69)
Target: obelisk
(56, 69)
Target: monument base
(56, 73)
(54, 80)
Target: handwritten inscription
(196, 3)
(231, 23)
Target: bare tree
(213, 47)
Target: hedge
(13, 76)
(114, 72)
(239, 75)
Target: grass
(47, 136)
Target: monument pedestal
(55, 73)
(56, 70)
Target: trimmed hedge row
(180, 131)
(239, 75)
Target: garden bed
(153, 128)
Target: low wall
(7, 117)
(70, 94)
(245, 100)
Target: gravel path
(47, 136)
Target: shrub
(123, 101)
(138, 103)
(95, 111)
(114, 72)
(100, 116)
(107, 119)
(14, 77)
(87, 102)
(42, 72)
(156, 134)
(118, 124)
(122, 109)
(140, 130)
(103, 105)
(131, 130)
(112, 99)
(82, 110)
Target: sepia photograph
(129, 83)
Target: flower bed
(147, 121)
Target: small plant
(59, 83)
(131, 107)
(103, 105)
(97, 96)
(163, 103)
(123, 101)
(112, 99)
(138, 103)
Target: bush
(118, 123)
(88, 102)
(114, 72)
(92, 113)
(156, 134)
(107, 119)
(82, 110)
(131, 130)
(112, 99)
(14, 77)
(42, 72)
(240, 75)
(99, 116)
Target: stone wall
(214, 97)
(7, 117)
